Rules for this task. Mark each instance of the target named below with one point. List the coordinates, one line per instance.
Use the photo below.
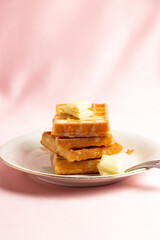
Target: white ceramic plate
(25, 153)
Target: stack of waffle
(77, 145)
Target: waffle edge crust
(52, 142)
(62, 167)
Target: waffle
(80, 154)
(52, 142)
(62, 166)
(65, 125)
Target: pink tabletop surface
(58, 51)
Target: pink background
(58, 51)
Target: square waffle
(65, 125)
(62, 166)
(66, 143)
(79, 154)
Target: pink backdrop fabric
(58, 51)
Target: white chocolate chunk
(79, 109)
(109, 165)
(78, 106)
(83, 114)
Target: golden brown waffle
(48, 141)
(65, 125)
(62, 166)
(66, 143)
(80, 154)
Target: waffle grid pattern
(66, 125)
